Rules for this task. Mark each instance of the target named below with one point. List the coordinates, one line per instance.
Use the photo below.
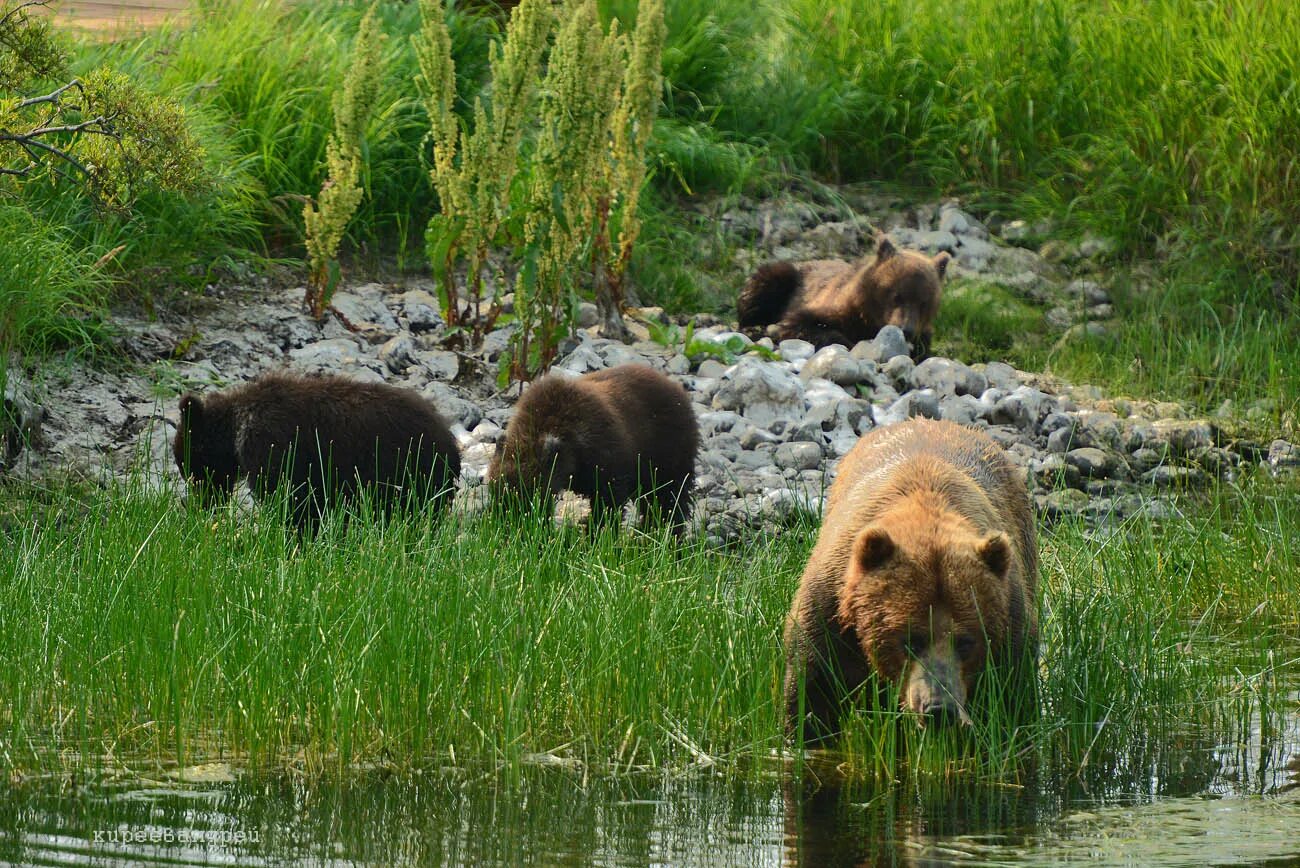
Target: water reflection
(1178, 797)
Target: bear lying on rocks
(612, 435)
(323, 438)
(925, 573)
(828, 301)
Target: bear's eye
(965, 647)
(913, 644)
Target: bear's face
(927, 601)
(204, 448)
(530, 468)
(904, 288)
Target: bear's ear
(995, 552)
(941, 263)
(872, 548)
(191, 409)
(885, 248)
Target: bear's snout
(933, 687)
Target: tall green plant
(568, 182)
(327, 218)
(473, 170)
(632, 124)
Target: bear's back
(650, 412)
(968, 466)
(352, 416)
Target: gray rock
(947, 377)
(1024, 408)
(453, 408)
(1002, 376)
(837, 239)
(1097, 247)
(397, 353)
(1053, 472)
(679, 364)
(752, 460)
(582, 360)
(336, 355)
(1145, 458)
(1092, 463)
(798, 456)
(795, 350)
(833, 363)
(898, 371)
(614, 353)
(804, 430)
(1283, 456)
(751, 437)
(975, 254)
(846, 413)
(887, 344)
(1173, 476)
(365, 305)
(922, 403)
(717, 422)
(962, 409)
(760, 392)
(441, 364)
(1064, 502)
(958, 222)
(936, 241)
(497, 342)
(1185, 436)
(1060, 318)
(487, 431)
(21, 418)
(784, 504)
(420, 310)
(588, 315)
(712, 369)
(1089, 292)
(1099, 429)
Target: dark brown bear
(323, 438)
(924, 573)
(827, 301)
(613, 435)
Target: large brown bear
(322, 438)
(828, 301)
(925, 572)
(613, 435)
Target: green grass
(50, 293)
(133, 629)
(981, 322)
(1199, 338)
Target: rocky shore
(774, 419)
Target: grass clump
(132, 628)
(50, 293)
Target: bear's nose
(942, 713)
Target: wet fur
(937, 482)
(273, 432)
(827, 301)
(624, 433)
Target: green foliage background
(1172, 127)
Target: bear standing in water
(827, 301)
(323, 438)
(925, 573)
(613, 435)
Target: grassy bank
(131, 628)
